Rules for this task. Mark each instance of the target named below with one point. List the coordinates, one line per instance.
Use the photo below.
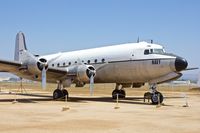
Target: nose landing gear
(155, 96)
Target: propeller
(43, 66)
(91, 73)
(91, 85)
(44, 78)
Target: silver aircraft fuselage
(127, 63)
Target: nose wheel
(155, 96)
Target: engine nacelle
(35, 66)
(82, 72)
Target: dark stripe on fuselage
(123, 61)
(140, 60)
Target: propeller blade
(91, 84)
(43, 78)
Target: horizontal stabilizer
(188, 69)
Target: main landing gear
(118, 91)
(60, 93)
(155, 96)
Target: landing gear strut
(118, 91)
(60, 93)
(155, 96)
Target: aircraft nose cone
(180, 64)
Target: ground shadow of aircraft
(41, 97)
(37, 98)
(128, 100)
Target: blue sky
(62, 25)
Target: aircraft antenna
(138, 40)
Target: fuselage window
(146, 51)
(64, 64)
(69, 63)
(88, 61)
(95, 60)
(75, 62)
(58, 64)
(103, 60)
(52, 65)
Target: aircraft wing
(14, 66)
(55, 74)
(9, 66)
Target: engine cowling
(35, 66)
(82, 72)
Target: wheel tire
(154, 98)
(114, 94)
(121, 94)
(57, 94)
(147, 96)
(65, 94)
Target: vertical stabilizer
(20, 46)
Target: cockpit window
(153, 51)
(146, 51)
(158, 51)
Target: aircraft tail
(20, 47)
